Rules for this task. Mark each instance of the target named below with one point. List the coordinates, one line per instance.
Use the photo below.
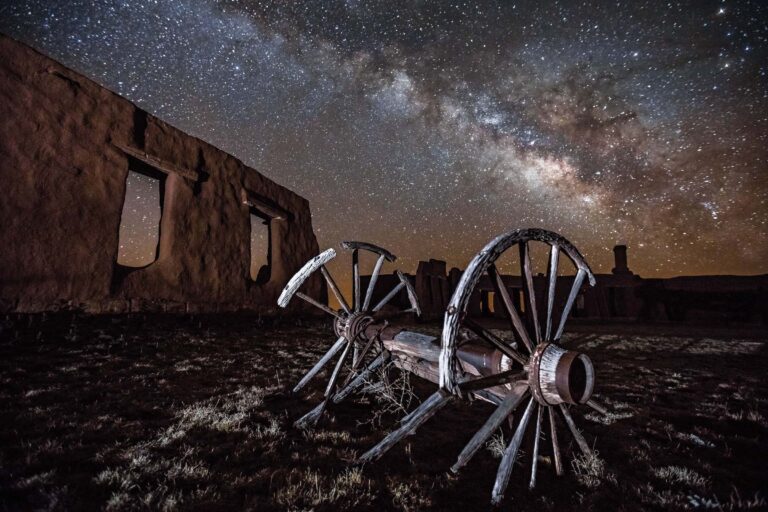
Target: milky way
(430, 127)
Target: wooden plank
(414, 344)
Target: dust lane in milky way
(428, 128)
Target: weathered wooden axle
(469, 360)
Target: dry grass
(680, 475)
(147, 413)
(392, 392)
(496, 445)
(407, 496)
(308, 489)
(734, 502)
(590, 470)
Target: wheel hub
(557, 376)
(352, 325)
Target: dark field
(194, 413)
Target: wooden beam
(159, 164)
(272, 211)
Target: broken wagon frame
(469, 361)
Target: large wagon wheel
(349, 321)
(554, 377)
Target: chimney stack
(620, 260)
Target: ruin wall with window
(66, 147)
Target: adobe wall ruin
(621, 295)
(66, 146)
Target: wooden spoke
(494, 340)
(314, 415)
(319, 365)
(335, 289)
(425, 411)
(528, 290)
(383, 302)
(554, 256)
(501, 291)
(408, 416)
(504, 410)
(357, 362)
(511, 422)
(372, 282)
(311, 417)
(597, 406)
(492, 380)
(576, 434)
(535, 461)
(510, 454)
(580, 275)
(360, 379)
(355, 295)
(555, 444)
(317, 304)
(356, 280)
(332, 382)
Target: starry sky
(430, 127)
(140, 221)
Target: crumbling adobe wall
(65, 143)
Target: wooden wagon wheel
(349, 321)
(554, 377)
(469, 361)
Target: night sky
(430, 127)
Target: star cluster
(430, 127)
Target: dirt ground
(148, 412)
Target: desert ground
(195, 413)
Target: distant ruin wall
(65, 148)
(621, 295)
